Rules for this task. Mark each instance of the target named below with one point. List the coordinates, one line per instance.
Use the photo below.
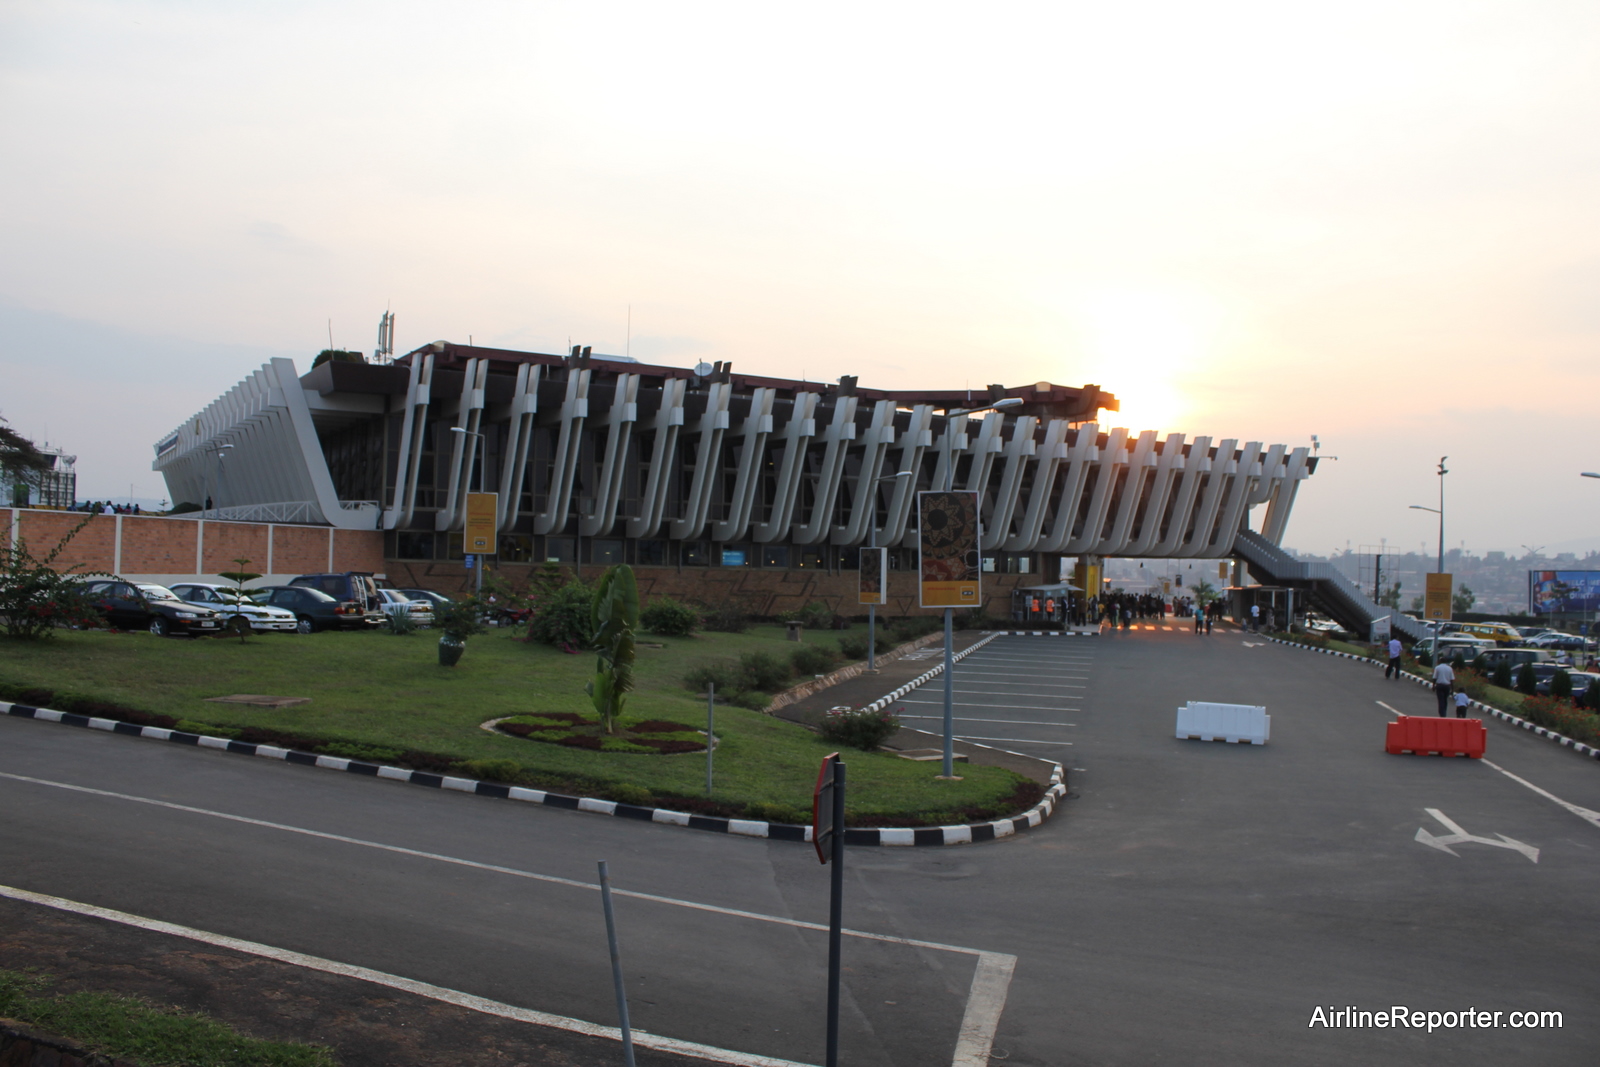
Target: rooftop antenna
(330, 333)
(385, 350)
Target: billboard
(874, 576)
(947, 565)
(479, 537)
(1563, 592)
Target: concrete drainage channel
(1477, 705)
(887, 836)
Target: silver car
(225, 601)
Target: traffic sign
(469, 561)
(822, 822)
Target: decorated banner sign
(479, 536)
(948, 549)
(1436, 598)
(874, 576)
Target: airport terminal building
(705, 471)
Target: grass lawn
(377, 689)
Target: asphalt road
(1192, 903)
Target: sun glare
(1142, 345)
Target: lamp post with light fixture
(872, 543)
(949, 613)
(216, 499)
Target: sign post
(948, 577)
(1436, 598)
(872, 591)
(480, 536)
(827, 836)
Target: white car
(420, 611)
(224, 600)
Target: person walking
(1461, 703)
(1255, 618)
(1443, 679)
(1393, 670)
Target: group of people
(1444, 681)
(1124, 609)
(106, 507)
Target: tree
(1390, 597)
(1416, 603)
(1204, 592)
(614, 619)
(1462, 600)
(21, 462)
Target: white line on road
(1011, 740)
(970, 704)
(481, 1004)
(1012, 722)
(1012, 674)
(990, 983)
(1591, 817)
(1391, 711)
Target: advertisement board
(1436, 598)
(1563, 592)
(947, 549)
(874, 584)
(479, 536)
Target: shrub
(752, 700)
(35, 598)
(978, 619)
(364, 753)
(628, 793)
(763, 671)
(813, 659)
(1555, 714)
(490, 770)
(1472, 683)
(781, 813)
(399, 622)
(1527, 681)
(562, 616)
(853, 647)
(460, 619)
(861, 729)
(722, 673)
(910, 627)
(1591, 695)
(1502, 673)
(1561, 684)
(668, 617)
(727, 619)
(815, 616)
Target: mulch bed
(592, 737)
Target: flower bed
(576, 731)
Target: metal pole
(949, 693)
(835, 914)
(1442, 473)
(711, 723)
(872, 627)
(616, 967)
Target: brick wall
(161, 547)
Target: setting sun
(1143, 344)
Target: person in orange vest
(1050, 608)
(1034, 607)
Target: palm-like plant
(614, 619)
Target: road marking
(1009, 722)
(1036, 685)
(980, 1016)
(990, 983)
(1011, 740)
(1591, 817)
(1013, 674)
(467, 1000)
(932, 688)
(1255, 644)
(1393, 712)
(969, 704)
(1458, 836)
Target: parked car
(1565, 642)
(357, 587)
(1453, 646)
(1316, 624)
(1491, 658)
(142, 606)
(1502, 633)
(225, 601)
(419, 610)
(1544, 672)
(315, 610)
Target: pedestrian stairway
(1325, 588)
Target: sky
(1372, 222)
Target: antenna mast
(384, 353)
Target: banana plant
(614, 619)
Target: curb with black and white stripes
(1477, 705)
(1043, 633)
(970, 833)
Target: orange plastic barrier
(1426, 735)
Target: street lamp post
(949, 613)
(1439, 511)
(872, 543)
(216, 497)
(472, 458)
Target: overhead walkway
(1325, 588)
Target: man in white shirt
(1393, 670)
(1443, 679)
(1255, 617)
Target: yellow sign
(1086, 576)
(1222, 572)
(1436, 598)
(482, 515)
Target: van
(1491, 658)
(354, 589)
(1453, 646)
(1501, 633)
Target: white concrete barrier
(1224, 722)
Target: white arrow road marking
(1255, 644)
(1458, 836)
(1592, 817)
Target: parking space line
(1009, 707)
(1013, 674)
(1014, 722)
(1590, 817)
(425, 989)
(1035, 685)
(1010, 740)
